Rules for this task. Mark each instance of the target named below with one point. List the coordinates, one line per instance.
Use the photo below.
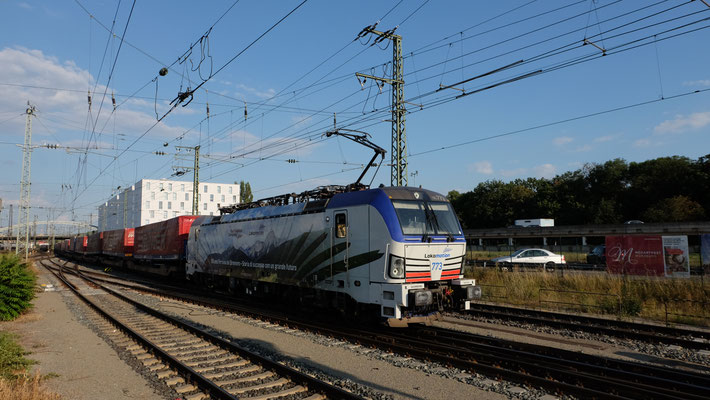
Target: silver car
(532, 256)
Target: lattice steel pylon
(180, 170)
(399, 132)
(23, 232)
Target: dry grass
(25, 388)
(685, 300)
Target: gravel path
(591, 343)
(81, 364)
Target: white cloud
(262, 94)
(583, 148)
(25, 6)
(483, 167)
(683, 123)
(545, 171)
(66, 110)
(513, 172)
(602, 139)
(701, 82)
(562, 140)
(642, 143)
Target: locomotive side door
(339, 251)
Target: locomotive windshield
(426, 218)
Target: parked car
(633, 222)
(597, 255)
(532, 257)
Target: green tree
(245, 194)
(675, 209)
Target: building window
(234, 198)
(230, 190)
(222, 198)
(187, 196)
(152, 195)
(174, 214)
(161, 186)
(170, 205)
(165, 195)
(182, 187)
(204, 206)
(174, 196)
(170, 187)
(165, 214)
(205, 188)
(147, 204)
(152, 213)
(211, 213)
(146, 222)
(147, 186)
(211, 198)
(160, 205)
(182, 205)
(219, 189)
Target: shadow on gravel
(344, 379)
(665, 361)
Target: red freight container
(94, 243)
(79, 244)
(118, 242)
(163, 240)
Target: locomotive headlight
(423, 298)
(396, 267)
(473, 292)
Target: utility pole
(34, 230)
(180, 170)
(23, 231)
(399, 132)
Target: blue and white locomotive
(395, 252)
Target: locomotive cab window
(341, 227)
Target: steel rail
(308, 381)
(549, 369)
(623, 329)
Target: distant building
(153, 200)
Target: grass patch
(25, 388)
(17, 283)
(12, 357)
(661, 299)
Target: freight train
(396, 253)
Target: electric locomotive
(394, 251)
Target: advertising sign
(676, 257)
(648, 255)
(705, 252)
(635, 255)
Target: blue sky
(297, 75)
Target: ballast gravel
(368, 372)
(652, 353)
(79, 365)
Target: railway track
(195, 363)
(686, 338)
(557, 371)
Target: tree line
(666, 189)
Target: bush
(12, 360)
(17, 285)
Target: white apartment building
(153, 200)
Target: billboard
(650, 255)
(676, 258)
(705, 252)
(635, 255)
